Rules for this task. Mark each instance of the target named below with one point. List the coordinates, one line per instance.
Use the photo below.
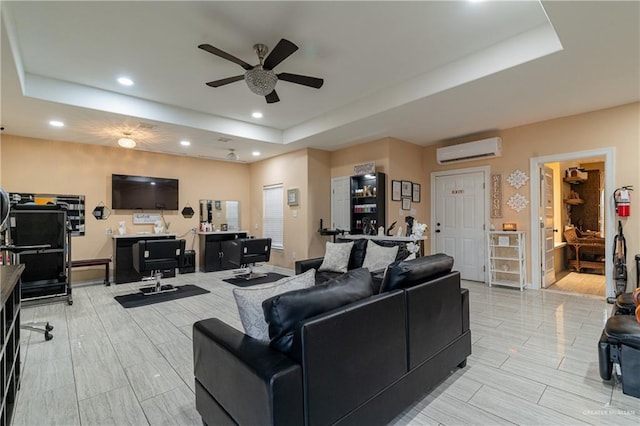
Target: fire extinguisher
(622, 199)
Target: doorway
(459, 212)
(583, 211)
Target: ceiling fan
(261, 79)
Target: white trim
(486, 170)
(609, 186)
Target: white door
(340, 203)
(547, 238)
(460, 221)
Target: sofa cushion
(336, 257)
(379, 257)
(249, 301)
(285, 311)
(404, 274)
(357, 252)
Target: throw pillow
(378, 257)
(286, 311)
(336, 257)
(249, 301)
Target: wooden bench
(94, 262)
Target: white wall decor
(517, 202)
(518, 179)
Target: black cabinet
(211, 258)
(123, 270)
(368, 203)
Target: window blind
(273, 215)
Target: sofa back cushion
(285, 311)
(336, 257)
(405, 274)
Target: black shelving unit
(368, 202)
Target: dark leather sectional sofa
(362, 363)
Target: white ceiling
(417, 71)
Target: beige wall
(290, 170)
(34, 165)
(42, 166)
(617, 127)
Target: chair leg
(39, 327)
(157, 288)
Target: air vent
(224, 139)
(146, 126)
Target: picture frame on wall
(415, 197)
(396, 190)
(292, 197)
(406, 203)
(406, 188)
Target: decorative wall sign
(517, 202)
(496, 195)
(518, 179)
(364, 169)
(144, 218)
(406, 204)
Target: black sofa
(361, 363)
(358, 252)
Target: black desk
(123, 270)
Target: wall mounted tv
(143, 192)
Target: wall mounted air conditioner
(477, 150)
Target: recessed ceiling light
(125, 81)
(256, 153)
(185, 143)
(257, 114)
(56, 123)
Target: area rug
(241, 282)
(136, 300)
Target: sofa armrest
(304, 265)
(252, 382)
(464, 294)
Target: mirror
(221, 214)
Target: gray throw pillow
(249, 301)
(336, 257)
(378, 257)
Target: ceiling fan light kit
(261, 79)
(126, 143)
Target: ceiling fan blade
(282, 51)
(224, 81)
(209, 48)
(272, 97)
(301, 79)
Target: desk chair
(155, 256)
(245, 252)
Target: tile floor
(534, 361)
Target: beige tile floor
(534, 361)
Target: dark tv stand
(123, 270)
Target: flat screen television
(143, 192)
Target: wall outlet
(256, 226)
(193, 230)
(293, 255)
(108, 231)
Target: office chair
(155, 256)
(245, 252)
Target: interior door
(546, 227)
(340, 203)
(460, 222)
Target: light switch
(294, 213)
